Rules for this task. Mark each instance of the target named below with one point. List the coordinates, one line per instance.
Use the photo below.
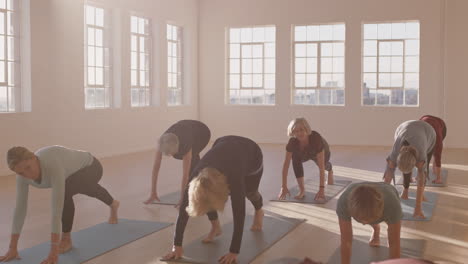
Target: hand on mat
(320, 195)
(178, 204)
(229, 258)
(51, 259)
(283, 192)
(153, 197)
(309, 261)
(177, 253)
(10, 255)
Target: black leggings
(407, 176)
(299, 168)
(84, 181)
(252, 182)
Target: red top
(439, 126)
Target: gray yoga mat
(443, 174)
(312, 187)
(169, 199)
(428, 207)
(363, 253)
(253, 243)
(94, 241)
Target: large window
(319, 65)
(175, 87)
(140, 61)
(97, 58)
(391, 64)
(10, 89)
(251, 65)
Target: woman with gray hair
(67, 172)
(305, 144)
(414, 144)
(184, 141)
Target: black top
(192, 134)
(236, 157)
(316, 145)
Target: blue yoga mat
(94, 241)
(428, 207)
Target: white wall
(456, 81)
(58, 115)
(349, 125)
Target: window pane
(247, 80)
(311, 80)
(300, 33)
(99, 57)
(412, 30)
(324, 96)
(270, 65)
(133, 77)
(247, 66)
(91, 76)
(142, 61)
(234, 66)
(384, 80)
(133, 46)
(313, 33)
(141, 26)
(270, 34)
(258, 34)
(338, 49)
(257, 65)
(326, 80)
(412, 80)
(326, 32)
(412, 47)
(370, 48)
(2, 47)
(384, 64)
(246, 51)
(397, 97)
(99, 37)
(385, 48)
(411, 97)
(300, 50)
(396, 80)
(300, 80)
(383, 97)
(397, 48)
(398, 30)
(338, 97)
(99, 76)
(384, 31)
(300, 65)
(91, 56)
(368, 96)
(397, 64)
(257, 81)
(257, 51)
(234, 81)
(91, 34)
(234, 35)
(246, 35)
(234, 51)
(270, 50)
(90, 15)
(269, 81)
(142, 44)
(311, 50)
(370, 64)
(311, 64)
(326, 65)
(100, 17)
(134, 24)
(412, 64)
(134, 60)
(2, 23)
(142, 78)
(370, 31)
(370, 80)
(327, 49)
(338, 65)
(339, 32)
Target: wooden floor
(127, 177)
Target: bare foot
(419, 214)
(374, 241)
(65, 245)
(404, 194)
(300, 195)
(113, 218)
(214, 232)
(258, 221)
(331, 180)
(437, 181)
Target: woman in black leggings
(305, 144)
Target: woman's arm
(346, 230)
(284, 177)
(154, 177)
(187, 162)
(394, 239)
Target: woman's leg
(406, 184)
(215, 227)
(374, 241)
(252, 184)
(299, 173)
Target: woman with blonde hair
(414, 144)
(67, 172)
(369, 203)
(233, 166)
(305, 144)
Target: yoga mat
(93, 241)
(253, 243)
(169, 199)
(428, 207)
(312, 187)
(443, 174)
(363, 253)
